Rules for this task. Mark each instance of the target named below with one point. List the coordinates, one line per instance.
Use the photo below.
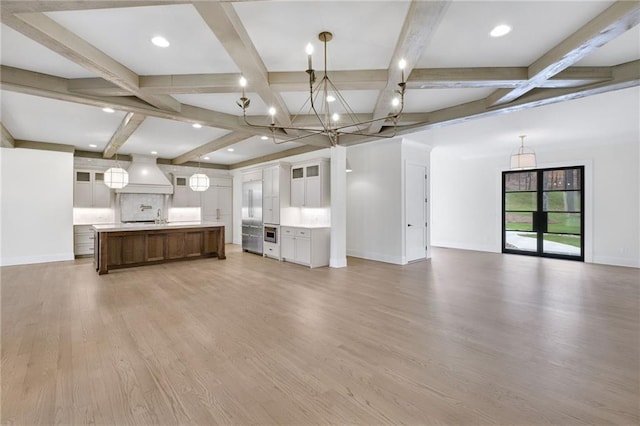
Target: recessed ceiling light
(331, 98)
(109, 110)
(206, 158)
(160, 41)
(264, 138)
(93, 145)
(197, 125)
(230, 149)
(154, 152)
(500, 30)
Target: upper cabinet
(310, 183)
(275, 192)
(183, 196)
(89, 189)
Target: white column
(338, 257)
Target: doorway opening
(543, 212)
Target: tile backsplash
(141, 207)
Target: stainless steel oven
(271, 234)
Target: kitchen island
(125, 245)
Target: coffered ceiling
(63, 61)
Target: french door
(543, 212)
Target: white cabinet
(183, 196)
(83, 240)
(275, 192)
(89, 189)
(271, 250)
(217, 202)
(306, 246)
(310, 184)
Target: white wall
(374, 201)
(37, 206)
(466, 194)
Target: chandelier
(331, 114)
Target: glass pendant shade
(116, 178)
(199, 182)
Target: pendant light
(198, 181)
(116, 177)
(525, 158)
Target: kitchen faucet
(159, 219)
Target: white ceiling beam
(126, 128)
(276, 156)
(7, 138)
(32, 83)
(505, 77)
(215, 145)
(423, 78)
(419, 26)
(615, 20)
(228, 29)
(22, 6)
(54, 36)
(343, 80)
(624, 76)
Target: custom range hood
(145, 177)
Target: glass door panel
(543, 212)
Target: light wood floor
(466, 338)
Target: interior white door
(415, 212)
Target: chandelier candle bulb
(309, 50)
(243, 84)
(272, 113)
(402, 64)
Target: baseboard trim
(29, 260)
(616, 261)
(462, 246)
(378, 257)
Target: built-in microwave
(271, 234)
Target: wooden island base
(128, 248)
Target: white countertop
(119, 227)
(315, 226)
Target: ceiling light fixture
(206, 158)
(93, 145)
(525, 158)
(116, 177)
(160, 41)
(500, 30)
(154, 152)
(325, 119)
(264, 138)
(196, 126)
(108, 110)
(199, 182)
(230, 149)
